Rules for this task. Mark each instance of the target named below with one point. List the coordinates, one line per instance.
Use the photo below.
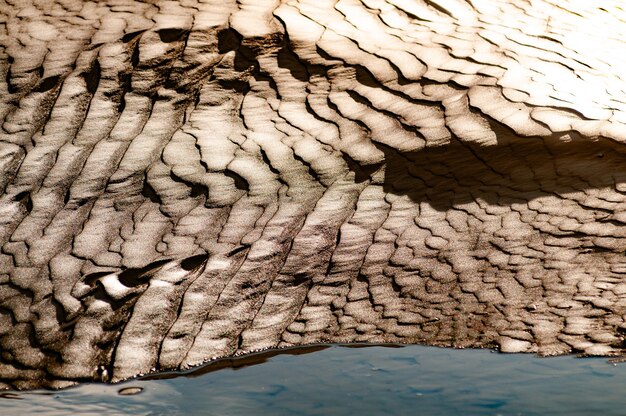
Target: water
(412, 380)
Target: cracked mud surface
(183, 181)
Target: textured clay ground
(186, 180)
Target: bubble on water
(129, 391)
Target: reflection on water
(338, 380)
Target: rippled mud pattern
(184, 181)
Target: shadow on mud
(514, 171)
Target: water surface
(340, 380)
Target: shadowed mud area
(516, 172)
(183, 182)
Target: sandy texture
(185, 180)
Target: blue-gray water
(368, 381)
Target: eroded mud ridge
(182, 181)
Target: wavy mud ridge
(187, 180)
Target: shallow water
(346, 380)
